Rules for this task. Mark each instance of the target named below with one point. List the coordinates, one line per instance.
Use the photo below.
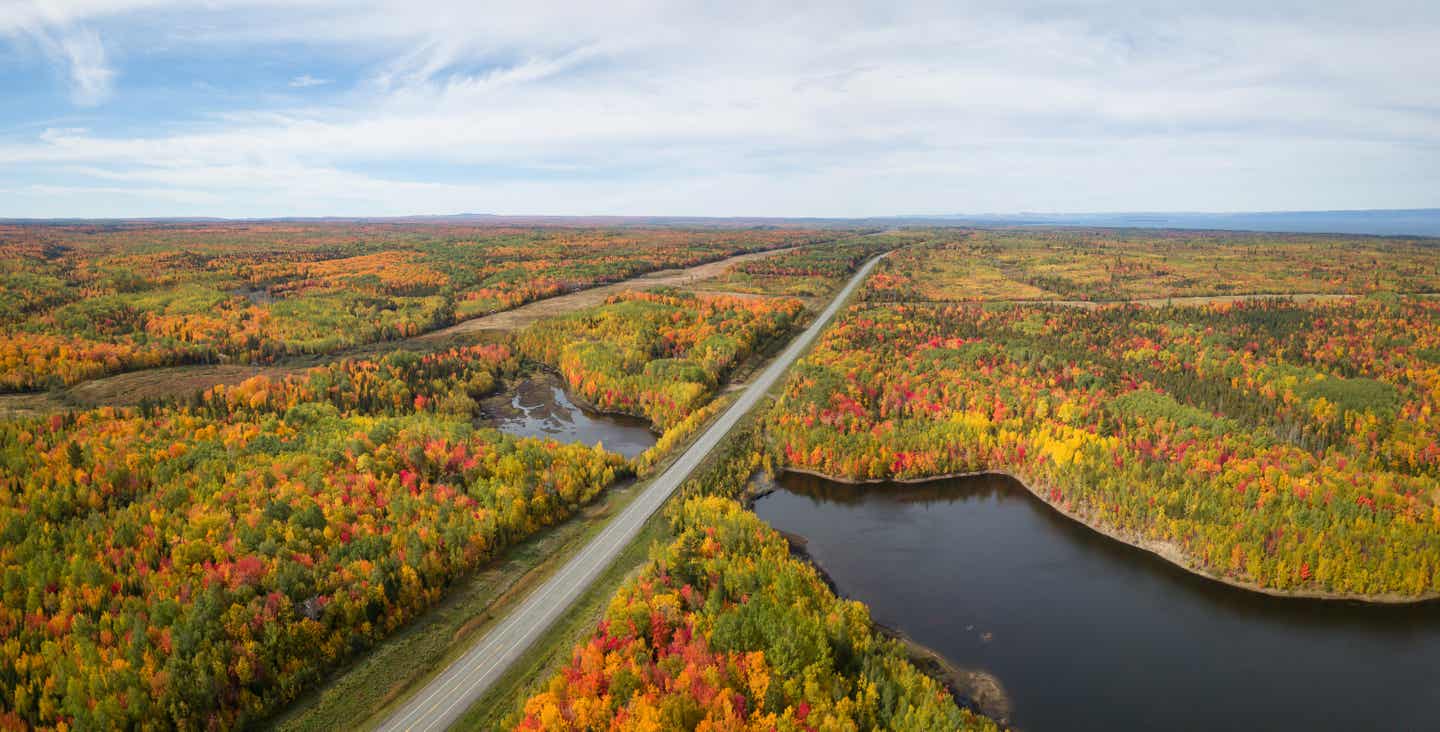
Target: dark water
(1087, 633)
(538, 407)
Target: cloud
(91, 78)
(304, 81)
(642, 107)
(81, 57)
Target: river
(1088, 633)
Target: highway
(446, 697)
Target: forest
(82, 301)
(200, 561)
(1099, 265)
(203, 560)
(723, 628)
(196, 564)
(1283, 443)
(1290, 445)
(657, 354)
(813, 271)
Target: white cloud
(741, 108)
(81, 58)
(91, 78)
(305, 81)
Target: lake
(1088, 633)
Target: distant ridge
(1377, 222)
(1382, 222)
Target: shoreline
(1166, 551)
(975, 689)
(555, 378)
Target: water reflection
(1086, 632)
(539, 407)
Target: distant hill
(1379, 222)
(1383, 222)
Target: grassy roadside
(379, 680)
(362, 693)
(552, 650)
(381, 676)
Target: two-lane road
(448, 695)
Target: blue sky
(319, 107)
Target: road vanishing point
(446, 697)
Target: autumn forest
(1261, 410)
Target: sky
(259, 108)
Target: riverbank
(1168, 551)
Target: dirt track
(132, 387)
(517, 318)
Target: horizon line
(728, 217)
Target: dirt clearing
(136, 386)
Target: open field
(814, 272)
(1298, 297)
